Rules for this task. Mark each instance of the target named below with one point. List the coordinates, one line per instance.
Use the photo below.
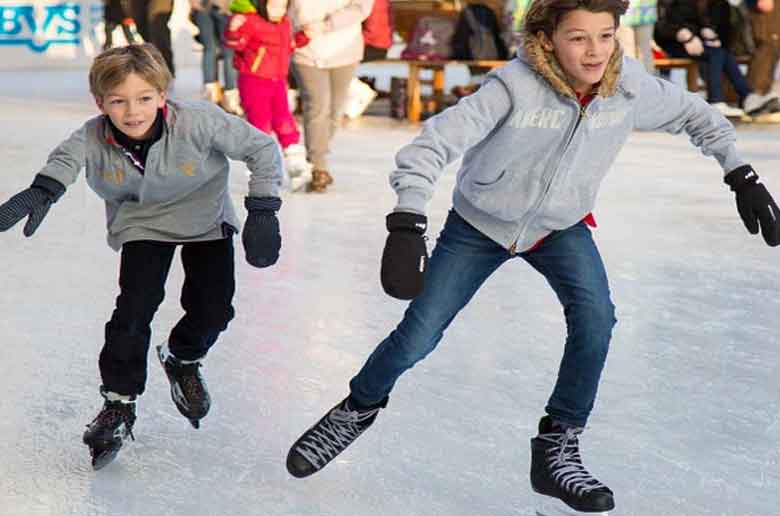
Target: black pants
(206, 296)
(152, 17)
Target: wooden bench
(415, 82)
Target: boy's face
(132, 106)
(583, 43)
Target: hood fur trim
(546, 65)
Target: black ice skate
(113, 424)
(188, 389)
(557, 471)
(330, 436)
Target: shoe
(755, 103)
(728, 111)
(330, 436)
(557, 470)
(188, 389)
(299, 170)
(231, 102)
(212, 91)
(113, 424)
(320, 179)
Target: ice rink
(688, 417)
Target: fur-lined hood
(546, 64)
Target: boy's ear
(99, 104)
(545, 41)
(163, 97)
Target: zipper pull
(513, 249)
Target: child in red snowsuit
(261, 35)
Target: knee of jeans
(599, 316)
(138, 307)
(414, 346)
(217, 320)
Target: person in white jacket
(324, 68)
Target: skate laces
(565, 463)
(114, 413)
(334, 433)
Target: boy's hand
(765, 6)
(33, 203)
(405, 256)
(261, 237)
(754, 204)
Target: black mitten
(261, 237)
(405, 257)
(33, 203)
(754, 204)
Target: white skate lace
(566, 465)
(333, 434)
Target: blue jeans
(462, 260)
(211, 24)
(720, 61)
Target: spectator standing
(151, 18)
(211, 17)
(765, 18)
(378, 31)
(636, 31)
(324, 69)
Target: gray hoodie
(533, 159)
(183, 193)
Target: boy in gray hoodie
(161, 166)
(536, 139)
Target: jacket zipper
(258, 59)
(582, 113)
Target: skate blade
(103, 458)
(195, 423)
(549, 506)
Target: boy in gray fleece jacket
(161, 167)
(536, 139)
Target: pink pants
(266, 107)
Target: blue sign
(59, 25)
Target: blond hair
(111, 68)
(545, 15)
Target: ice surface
(686, 423)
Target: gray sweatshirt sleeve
(664, 106)
(444, 138)
(68, 158)
(241, 141)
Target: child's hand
(261, 238)
(300, 39)
(691, 42)
(765, 6)
(405, 257)
(710, 37)
(196, 5)
(754, 204)
(33, 203)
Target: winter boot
(557, 471)
(113, 424)
(755, 103)
(212, 91)
(297, 167)
(320, 179)
(330, 436)
(188, 389)
(231, 102)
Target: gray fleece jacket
(533, 159)
(183, 194)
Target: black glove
(405, 257)
(754, 204)
(33, 203)
(261, 236)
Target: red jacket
(378, 27)
(262, 48)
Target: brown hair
(546, 15)
(111, 68)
